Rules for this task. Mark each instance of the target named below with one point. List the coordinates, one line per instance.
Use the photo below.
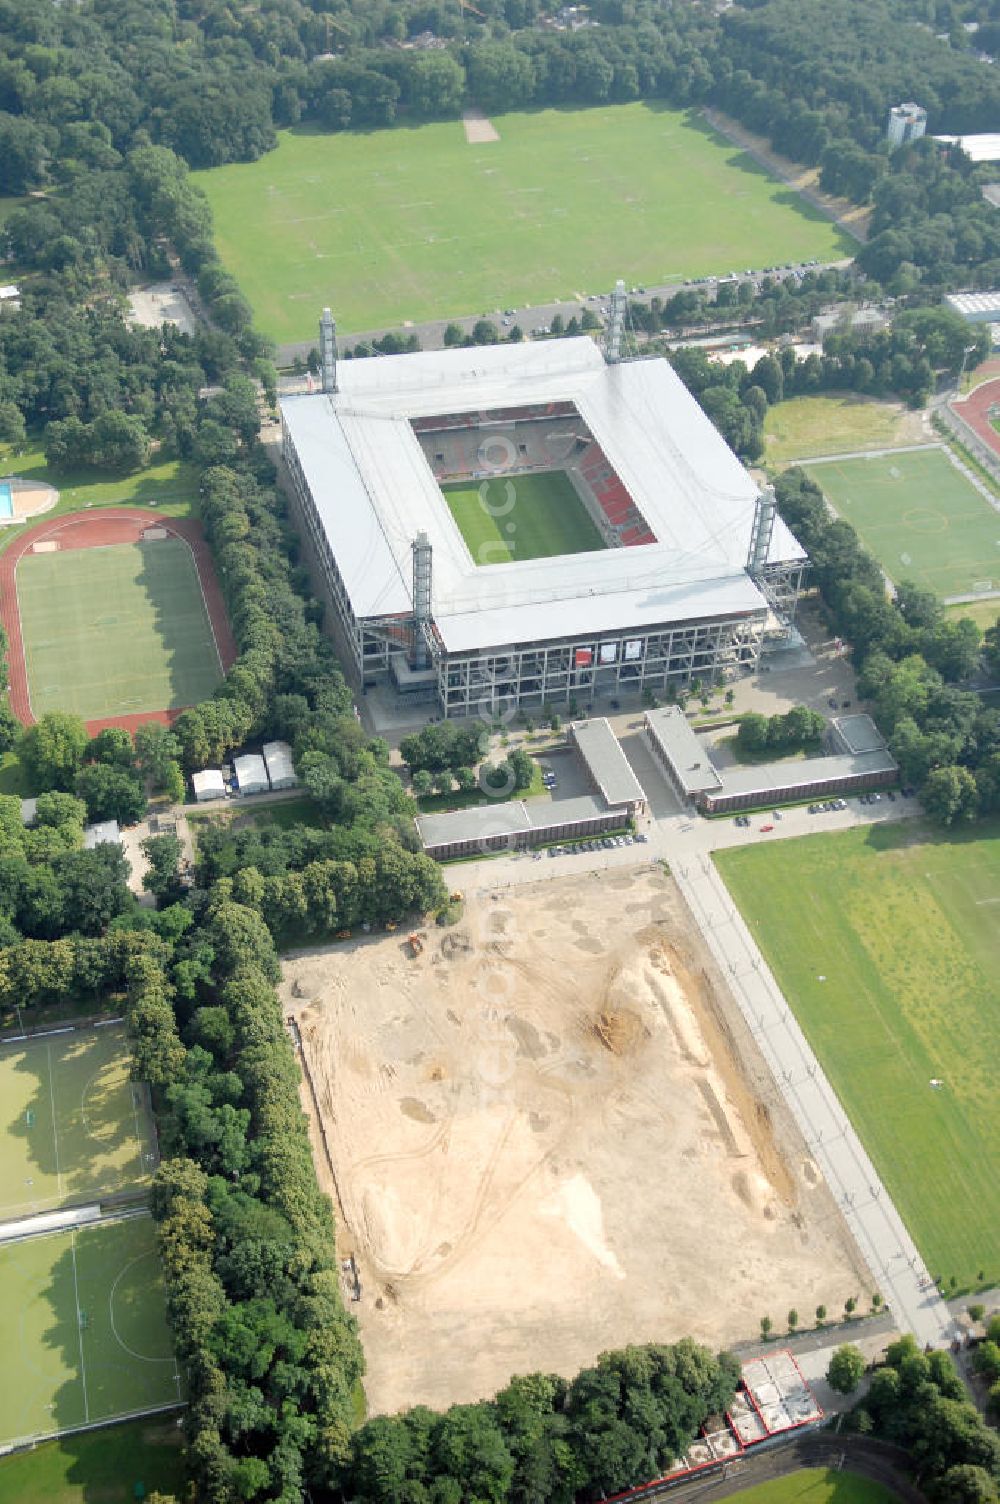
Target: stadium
(522, 525)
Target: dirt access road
(550, 1134)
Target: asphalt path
(686, 842)
(536, 316)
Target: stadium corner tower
(519, 524)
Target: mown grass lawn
(415, 223)
(886, 944)
(100, 1467)
(170, 485)
(527, 517)
(921, 517)
(818, 1486)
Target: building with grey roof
(859, 760)
(516, 825)
(101, 833)
(695, 564)
(608, 769)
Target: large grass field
(804, 427)
(886, 943)
(541, 517)
(414, 223)
(817, 1486)
(113, 631)
(984, 613)
(97, 1467)
(83, 1331)
(919, 515)
(73, 1125)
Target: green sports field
(523, 517)
(112, 631)
(416, 223)
(886, 943)
(98, 1467)
(74, 1126)
(919, 515)
(817, 1486)
(83, 1331)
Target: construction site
(546, 1135)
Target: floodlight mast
(328, 351)
(421, 548)
(763, 528)
(615, 325)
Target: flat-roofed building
(250, 774)
(516, 825)
(608, 769)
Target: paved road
(531, 316)
(686, 841)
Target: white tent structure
(251, 774)
(278, 761)
(209, 784)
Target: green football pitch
(74, 1126)
(83, 1331)
(117, 630)
(920, 516)
(886, 944)
(522, 517)
(818, 1486)
(416, 223)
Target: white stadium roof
(980, 148)
(374, 491)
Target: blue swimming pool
(6, 499)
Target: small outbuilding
(208, 784)
(278, 762)
(250, 773)
(102, 833)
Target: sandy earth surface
(478, 129)
(551, 1134)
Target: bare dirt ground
(478, 129)
(551, 1134)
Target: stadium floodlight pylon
(615, 325)
(328, 351)
(421, 599)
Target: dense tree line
(918, 1401)
(911, 659)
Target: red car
(766, 827)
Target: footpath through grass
(540, 518)
(416, 223)
(886, 943)
(818, 1486)
(919, 515)
(99, 1467)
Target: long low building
(688, 566)
(860, 761)
(516, 825)
(608, 769)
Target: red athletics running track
(99, 530)
(975, 410)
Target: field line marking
(55, 1131)
(140, 1357)
(79, 1328)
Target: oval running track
(975, 411)
(101, 529)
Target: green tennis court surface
(920, 516)
(117, 630)
(522, 517)
(83, 1332)
(74, 1126)
(886, 943)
